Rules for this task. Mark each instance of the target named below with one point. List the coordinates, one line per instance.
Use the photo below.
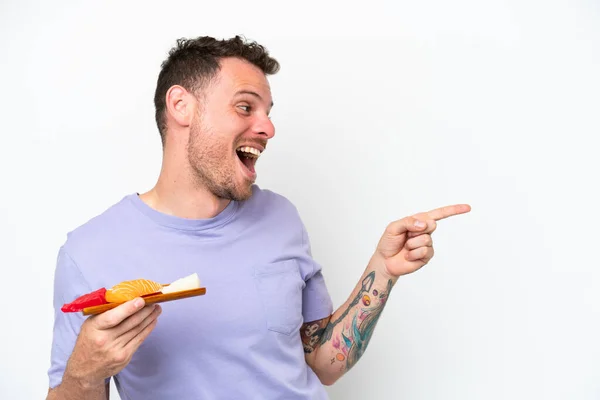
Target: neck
(178, 193)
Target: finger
(134, 320)
(431, 227)
(407, 224)
(448, 211)
(421, 253)
(132, 346)
(111, 318)
(127, 336)
(423, 240)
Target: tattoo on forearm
(311, 333)
(355, 333)
(366, 287)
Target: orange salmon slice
(129, 290)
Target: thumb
(407, 224)
(111, 318)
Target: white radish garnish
(186, 283)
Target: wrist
(82, 382)
(378, 264)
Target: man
(266, 327)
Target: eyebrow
(250, 92)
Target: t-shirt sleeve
(316, 301)
(68, 285)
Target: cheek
(216, 140)
(209, 143)
(225, 122)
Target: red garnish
(95, 298)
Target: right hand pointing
(107, 342)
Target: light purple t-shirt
(241, 339)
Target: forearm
(350, 328)
(71, 389)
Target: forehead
(238, 75)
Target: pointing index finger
(448, 211)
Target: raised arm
(334, 345)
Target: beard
(214, 166)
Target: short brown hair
(192, 63)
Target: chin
(240, 192)
(234, 188)
(243, 193)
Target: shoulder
(272, 203)
(270, 196)
(98, 229)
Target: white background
(382, 110)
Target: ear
(180, 105)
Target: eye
(245, 107)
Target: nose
(264, 126)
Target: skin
(201, 172)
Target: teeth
(250, 151)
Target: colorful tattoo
(311, 333)
(356, 332)
(366, 287)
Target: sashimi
(129, 290)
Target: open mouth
(248, 156)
